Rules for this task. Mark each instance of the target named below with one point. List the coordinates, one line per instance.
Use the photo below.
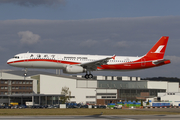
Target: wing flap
(97, 63)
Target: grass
(20, 112)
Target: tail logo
(159, 49)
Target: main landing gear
(87, 76)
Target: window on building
(24, 82)
(27, 82)
(9, 82)
(2, 87)
(72, 96)
(90, 102)
(17, 87)
(20, 82)
(13, 82)
(2, 82)
(30, 82)
(5, 82)
(90, 96)
(9, 88)
(13, 87)
(5, 87)
(30, 88)
(17, 82)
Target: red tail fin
(158, 50)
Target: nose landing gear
(25, 72)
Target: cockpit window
(16, 57)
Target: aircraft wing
(160, 61)
(94, 64)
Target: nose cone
(9, 61)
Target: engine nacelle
(73, 69)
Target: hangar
(45, 88)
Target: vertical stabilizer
(158, 50)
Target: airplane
(76, 63)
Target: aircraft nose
(9, 61)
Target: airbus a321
(76, 63)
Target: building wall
(35, 86)
(86, 83)
(156, 85)
(169, 86)
(14, 84)
(173, 99)
(106, 94)
(118, 84)
(173, 87)
(10, 76)
(54, 84)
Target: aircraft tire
(86, 76)
(90, 76)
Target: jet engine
(73, 69)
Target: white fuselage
(60, 61)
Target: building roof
(29, 95)
(35, 73)
(29, 73)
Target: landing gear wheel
(86, 76)
(90, 76)
(25, 74)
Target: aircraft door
(26, 57)
(59, 58)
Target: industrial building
(45, 88)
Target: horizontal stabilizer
(165, 61)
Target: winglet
(113, 57)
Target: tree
(67, 93)
(148, 102)
(141, 103)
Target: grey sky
(105, 36)
(33, 3)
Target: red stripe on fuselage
(44, 60)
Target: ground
(158, 111)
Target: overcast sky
(105, 27)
